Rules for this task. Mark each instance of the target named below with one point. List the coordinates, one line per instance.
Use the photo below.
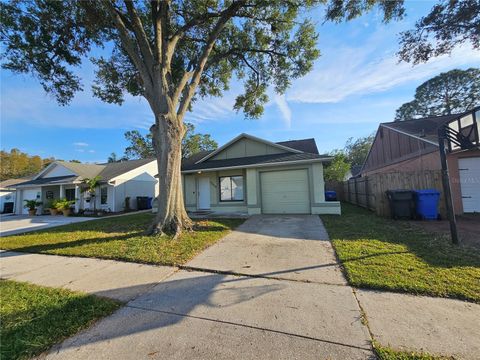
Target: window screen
(231, 188)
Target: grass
(34, 318)
(121, 238)
(386, 254)
(387, 353)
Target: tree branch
(140, 34)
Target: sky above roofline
(356, 84)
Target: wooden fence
(370, 191)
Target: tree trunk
(171, 218)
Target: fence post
(367, 200)
(356, 193)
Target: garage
(469, 169)
(29, 194)
(285, 192)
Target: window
(70, 194)
(231, 188)
(103, 195)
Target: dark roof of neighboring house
(251, 160)
(305, 145)
(355, 170)
(111, 170)
(11, 182)
(425, 128)
(50, 180)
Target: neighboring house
(63, 179)
(7, 194)
(412, 145)
(254, 176)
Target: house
(118, 180)
(7, 194)
(250, 175)
(412, 145)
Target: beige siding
(246, 147)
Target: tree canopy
(141, 147)
(452, 92)
(448, 25)
(17, 164)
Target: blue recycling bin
(426, 203)
(149, 202)
(330, 196)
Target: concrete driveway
(17, 224)
(281, 296)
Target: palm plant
(91, 188)
(32, 204)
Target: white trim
(45, 170)
(411, 135)
(259, 165)
(46, 184)
(251, 137)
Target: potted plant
(64, 206)
(51, 206)
(31, 205)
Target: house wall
(58, 170)
(252, 203)
(246, 147)
(391, 147)
(137, 182)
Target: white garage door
(469, 169)
(285, 192)
(29, 194)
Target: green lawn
(121, 238)
(381, 253)
(386, 353)
(33, 318)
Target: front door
(203, 193)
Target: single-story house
(412, 145)
(118, 180)
(8, 194)
(250, 175)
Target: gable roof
(254, 161)
(106, 171)
(112, 170)
(251, 137)
(11, 182)
(425, 129)
(304, 145)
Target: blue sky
(356, 84)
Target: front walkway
(271, 289)
(18, 224)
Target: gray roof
(12, 182)
(115, 169)
(305, 145)
(252, 160)
(426, 128)
(83, 170)
(50, 180)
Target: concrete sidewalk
(113, 279)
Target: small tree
(451, 92)
(91, 186)
(338, 168)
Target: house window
(103, 195)
(70, 194)
(231, 188)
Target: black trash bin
(8, 208)
(402, 204)
(142, 202)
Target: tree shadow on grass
(358, 224)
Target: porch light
(199, 172)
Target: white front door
(203, 193)
(469, 169)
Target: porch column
(77, 198)
(62, 192)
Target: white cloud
(91, 151)
(360, 71)
(282, 104)
(82, 144)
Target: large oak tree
(171, 52)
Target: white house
(8, 194)
(119, 180)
